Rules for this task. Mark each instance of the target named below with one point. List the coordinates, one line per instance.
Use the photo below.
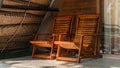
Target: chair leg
(41, 55)
(33, 51)
(51, 52)
(99, 55)
(58, 52)
(79, 55)
(79, 58)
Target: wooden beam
(19, 13)
(17, 24)
(15, 41)
(19, 7)
(27, 35)
(32, 4)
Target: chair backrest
(63, 25)
(87, 24)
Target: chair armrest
(83, 35)
(42, 34)
(37, 35)
(55, 35)
(58, 34)
(91, 35)
(63, 42)
(61, 35)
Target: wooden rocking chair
(61, 25)
(86, 39)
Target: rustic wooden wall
(75, 7)
(72, 7)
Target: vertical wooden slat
(98, 6)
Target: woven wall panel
(19, 38)
(45, 2)
(10, 2)
(24, 30)
(3, 10)
(11, 19)
(24, 2)
(8, 32)
(14, 45)
(33, 3)
(16, 20)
